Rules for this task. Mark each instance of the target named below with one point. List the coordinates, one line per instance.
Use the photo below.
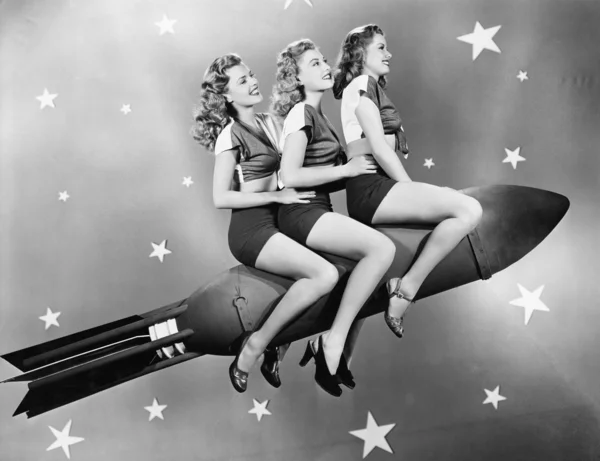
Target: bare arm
(370, 122)
(293, 174)
(224, 196)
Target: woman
(245, 147)
(312, 157)
(373, 129)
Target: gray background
(88, 257)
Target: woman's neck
(314, 98)
(371, 74)
(246, 115)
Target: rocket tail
(76, 366)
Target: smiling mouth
(386, 62)
(327, 76)
(255, 91)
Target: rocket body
(211, 320)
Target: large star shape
(289, 2)
(373, 435)
(493, 397)
(429, 163)
(46, 99)
(63, 196)
(530, 301)
(160, 250)
(155, 410)
(126, 108)
(513, 157)
(481, 39)
(260, 409)
(522, 76)
(50, 318)
(63, 439)
(187, 181)
(166, 25)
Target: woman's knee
(383, 249)
(471, 212)
(327, 276)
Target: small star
(166, 25)
(50, 318)
(126, 108)
(481, 39)
(46, 99)
(373, 435)
(156, 410)
(493, 397)
(63, 196)
(260, 409)
(513, 157)
(429, 163)
(530, 301)
(289, 2)
(522, 76)
(187, 181)
(63, 439)
(160, 250)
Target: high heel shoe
(239, 378)
(327, 381)
(394, 323)
(270, 366)
(344, 375)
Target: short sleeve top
(390, 118)
(258, 156)
(324, 147)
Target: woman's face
(314, 72)
(377, 57)
(242, 88)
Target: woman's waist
(363, 146)
(264, 184)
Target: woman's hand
(290, 195)
(361, 164)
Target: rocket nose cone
(515, 220)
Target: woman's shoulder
(227, 138)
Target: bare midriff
(267, 184)
(363, 147)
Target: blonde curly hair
(212, 112)
(288, 91)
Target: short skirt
(296, 220)
(249, 230)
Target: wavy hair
(288, 91)
(212, 112)
(351, 58)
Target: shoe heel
(308, 354)
(327, 381)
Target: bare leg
(341, 235)
(351, 340)
(315, 277)
(415, 202)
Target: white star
(530, 301)
(493, 397)
(289, 2)
(373, 435)
(513, 157)
(126, 108)
(260, 409)
(160, 250)
(50, 318)
(63, 439)
(429, 163)
(166, 25)
(63, 196)
(155, 410)
(46, 99)
(481, 39)
(187, 181)
(522, 76)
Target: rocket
(212, 319)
